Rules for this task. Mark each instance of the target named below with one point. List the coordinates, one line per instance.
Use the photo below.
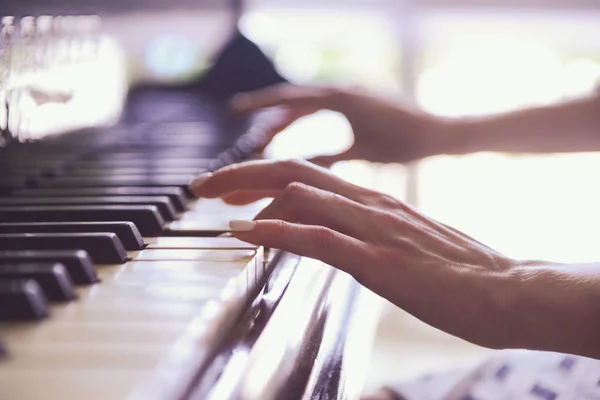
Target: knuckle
(377, 256)
(391, 219)
(292, 164)
(405, 244)
(277, 232)
(382, 200)
(280, 229)
(324, 237)
(287, 170)
(335, 199)
(333, 92)
(294, 190)
(229, 169)
(281, 208)
(391, 228)
(388, 201)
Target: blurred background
(452, 58)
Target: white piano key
(193, 255)
(60, 331)
(198, 243)
(85, 384)
(193, 348)
(112, 356)
(131, 322)
(214, 223)
(213, 215)
(209, 206)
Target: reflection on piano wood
(116, 284)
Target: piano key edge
(195, 349)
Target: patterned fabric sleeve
(512, 375)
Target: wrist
(553, 307)
(456, 136)
(499, 307)
(481, 305)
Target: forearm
(553, 307)
(567, 127)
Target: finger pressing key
(331, 247)
(307, 205)
(272, 176)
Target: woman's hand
(436, 273)
(384, 130)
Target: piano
(115, 283)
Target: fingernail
(241, 225)
(199, 181)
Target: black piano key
(149, 171)
(103, 248)
(146, 218)
(111, 181)
(127, 232)
(199, 163)
(24, 171)
(22, 300)
(78, 262)
(167, 154)
(163, 203)
(176, 194)
(8, 183)
(52, 277)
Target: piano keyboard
(107, 265)
(114, 282)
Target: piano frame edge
(215, 380)
(307, 335)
